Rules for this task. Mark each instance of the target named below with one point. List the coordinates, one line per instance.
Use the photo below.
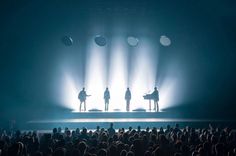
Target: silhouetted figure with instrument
(127, 98)
(155, 97)
(106, 98)
(82, 97)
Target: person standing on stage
(82, 97)
(127, 98)
(106, 98)
(155, 95)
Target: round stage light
(67, 40)
(100, 40)
(165, 41)
(132, 41)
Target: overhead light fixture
(132, 41)
(165, 41)
(67, 40)
(100, 40)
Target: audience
(172, 141)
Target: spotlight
(132, 41)
(67, 40)
(100, 40)
(165, 41)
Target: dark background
(203, 35)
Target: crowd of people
(168, 141)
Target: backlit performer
(82, 97)
(127, 98)
(106, 98)
(155, 96)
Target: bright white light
(95, 77)
(143, 79)
(167, 93)
(70, 93)
(171, 86)
(165, 41)
(118, 77)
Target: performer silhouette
(127, 98)
(82, 97)
(106, 98)
(155, 95)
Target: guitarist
(82, 97)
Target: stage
(90, 120)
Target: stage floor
(90, 120)
(114, 120)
